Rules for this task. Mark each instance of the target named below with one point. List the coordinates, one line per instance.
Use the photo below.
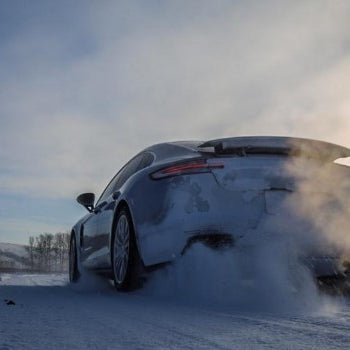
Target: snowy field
(180, 308)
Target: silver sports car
(173, 195)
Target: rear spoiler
(290, 146)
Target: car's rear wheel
(73, 261)
(126, 262)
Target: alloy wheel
(121, 249)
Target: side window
(146, 161)
(137, 163)
(126, 171)
(129, 169)
(141, 161)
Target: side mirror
(87, 200)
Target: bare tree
(49, 252)
(31, 251)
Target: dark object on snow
(9, 302)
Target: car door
(88, 232)
(92, 241)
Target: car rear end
(225, 193)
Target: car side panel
(168, 212)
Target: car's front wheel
(126, 262)
(73, 261)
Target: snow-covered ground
(180, 308)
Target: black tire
(74, 274)
(126, 262)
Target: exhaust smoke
(271, 268)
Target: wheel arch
(123, 205)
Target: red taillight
(186, 168)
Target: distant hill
(14, 257)
(45, 253)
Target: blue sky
(86, 85)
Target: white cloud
(15, 229)
(165, 71)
